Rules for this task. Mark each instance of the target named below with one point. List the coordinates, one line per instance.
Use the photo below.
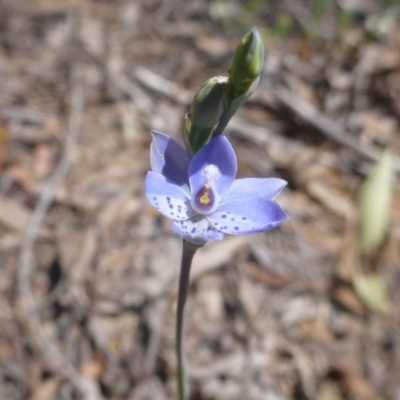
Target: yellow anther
(204, 198)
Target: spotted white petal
(197, 230)
(247, 215)
(167, 197)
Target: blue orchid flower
(202, 196)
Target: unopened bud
(207, 108)
(247, 65)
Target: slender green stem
(223, 122)
(188, 252)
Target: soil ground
(89, 271)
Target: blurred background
(89, 271)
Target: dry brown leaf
(269, 279)
(46, 390)
(16, 217)
(3, 146)
(348, 262)
(13, 215)
(43, 161)
(23, 176)
(348, 299)
(215, 47)
(358, 387)
(333, 201)
(213, 255)
(329, 391)
(93, 369)
(319, 331)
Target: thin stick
(26, 266)
(188, 252)
(326, 126)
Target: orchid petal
(167, 197)
(214, 165)
(197, 230)
(247, 215)
(262, 188)
(170, 159)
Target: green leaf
(374, 205)
(372, 291)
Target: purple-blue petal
(219, 153)
(167, 197)
(170, 159)
(263, 188)
(197, 230)
(247, 215)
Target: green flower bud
(207, 108)
(247, 65)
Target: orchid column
(196, 187)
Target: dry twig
(26, 265)
(329, 128)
